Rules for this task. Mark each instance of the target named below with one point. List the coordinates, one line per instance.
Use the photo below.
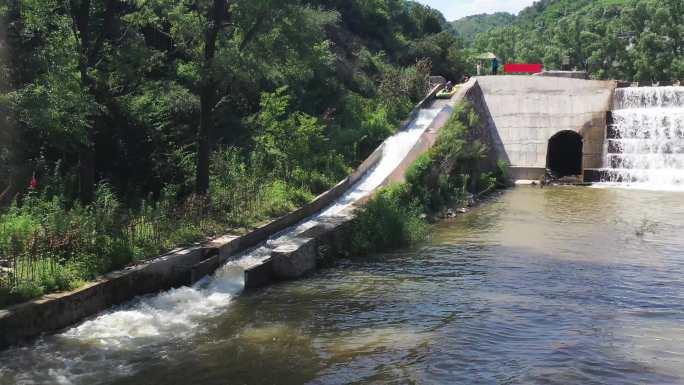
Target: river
(537, 286)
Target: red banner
(522, 68)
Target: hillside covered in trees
(470, 26)
(142, 125)
(639, 40)
(133, 91)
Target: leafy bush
(388, 222)
(287, 140)
(281, 199)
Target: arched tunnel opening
(564, 156)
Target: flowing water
(538, 286)
(645, 145)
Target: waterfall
(645, 143)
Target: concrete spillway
(645, 143)
(95, 348)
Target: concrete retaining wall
(56, 311)
(564, 74)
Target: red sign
(522, 68)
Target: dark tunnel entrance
(564, 156)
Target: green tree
(287, 141)
(214, 45)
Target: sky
(456, 9)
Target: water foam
(645, 144)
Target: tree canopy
(129, 91)
(470, 26)
(639, 40)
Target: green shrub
(387, 221)
(282, 198)
(417, 176)
(24, 292)
(502, 174)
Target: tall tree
(69, 94)
(210, 44)
(218, 18)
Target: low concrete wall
(315, 247)
(527, 173)
(54, 312)
(526, 111)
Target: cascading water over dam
(645, 142)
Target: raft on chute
(444, 94)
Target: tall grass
(47, 245)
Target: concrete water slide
(301, 248)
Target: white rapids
(115, 342)
(645, 145)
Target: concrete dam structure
(545, 122)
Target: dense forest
(641, 40)
(139, 94)
(130, 127)
(470, 26)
